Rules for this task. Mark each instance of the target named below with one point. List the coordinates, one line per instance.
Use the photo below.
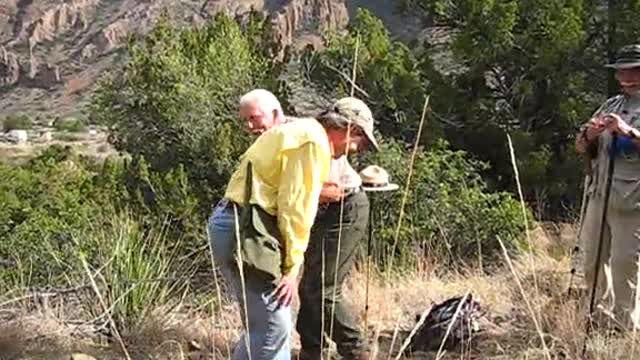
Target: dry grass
(190, 331)
(510, 332)
(29, 325)
(11, 344)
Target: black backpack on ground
(432, 332)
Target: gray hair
(262, 98)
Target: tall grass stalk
(405, 193)
(354, 71)
(635, 319)
(524, 210)
(107, 312)
(374, 347)
(394, 337)
(335, 269)
(453, 320)
(322, 283)
(528, 237)
(526, 299)
(354, 68)
(245, 310)
(218, 292)
(413, 331)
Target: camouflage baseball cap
(627, 57)
(359, 114)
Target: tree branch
(346, 78)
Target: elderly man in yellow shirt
(334, 240)
(288, 165)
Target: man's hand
(286, 289)
(597, 125)
(617, 125)
(331, 192)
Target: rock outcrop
(61, 46)
(233, 7)
(290, 19)
(112, 36)
(43, 73)
(9, 68)
(300, 17)
(7, 14)
(53, 22)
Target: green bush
(17, 122)
(450, 216)
(387, 71)
(67, 136)
(57, 198)
(45, 203)
(175, 103)
(70, 124)
(59, 211)
(159, 198)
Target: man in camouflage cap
(356, 111)
(618, 115)
(335, 239)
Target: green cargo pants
(324, 235)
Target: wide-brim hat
(375, 178)
(627, 57)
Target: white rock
(47, 136)
(17, 136)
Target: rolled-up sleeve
(304, 169)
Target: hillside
(111, 258)
(53, 51)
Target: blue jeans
(270, 325)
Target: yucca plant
(135, 270)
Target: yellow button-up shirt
(290, 164)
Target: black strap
(248, 185)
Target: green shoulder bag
(260, 246)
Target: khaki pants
(619, 250)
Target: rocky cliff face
(294, 21)
(53, 51)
